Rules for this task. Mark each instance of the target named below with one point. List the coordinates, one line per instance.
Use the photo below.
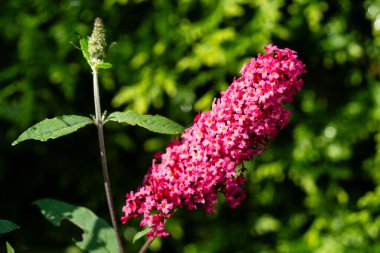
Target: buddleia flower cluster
(204, 160)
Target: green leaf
(84, 47)
(97, 237)
(9, 248)
(104, 65)
(141, 234)
(7, 226)
(154, 123)
(54, 128)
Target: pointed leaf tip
(54, 128)
(141, 234)
(7, 226)
(9, 248)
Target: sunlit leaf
(104, 65)
(141, 234)
(97, 237)
(154, 123)
(9, 248)
(84, 47)
(54, 128)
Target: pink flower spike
(203, 161)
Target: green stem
(145, 246)
(107, 186)
(98, 110)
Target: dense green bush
(317, 187)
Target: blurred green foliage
(316, 189)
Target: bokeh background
(317, 187)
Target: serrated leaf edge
(111, 117)
(21, 136)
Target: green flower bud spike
(97, 43)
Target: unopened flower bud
(97, 42)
